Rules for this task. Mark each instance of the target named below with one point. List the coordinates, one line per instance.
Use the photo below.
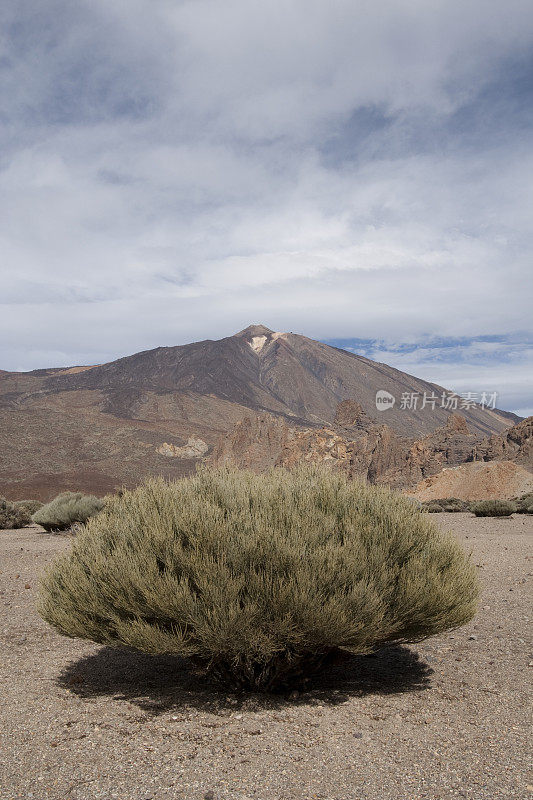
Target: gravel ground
(447, 718)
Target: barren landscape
(445, 718)
(256, 399)
(266, 400)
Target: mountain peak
(259, 336)
(255, 330)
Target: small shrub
(450, 504)
(432, 507)
(67, 509)
(453, 505)
(494, 508)
(524, 504)
(30, 506)
(259, 579)
(11, 516)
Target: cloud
(173, 171)
(501, 364)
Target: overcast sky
(355, 171)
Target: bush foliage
(29, 506)
(449, 504)
(67, 509)
(524, 504)
(259, 578)
(494, 508)
(431, 507)
(11, 516)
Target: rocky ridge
(359, 446)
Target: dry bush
(450, 504)
(30, 506)
(259, 578)
(494, 508)
(432, 507)
(524, 504)
(67, 509)
(11, 516)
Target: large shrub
(494, 508)
(11, 516)
(259, 578)
(66, 509)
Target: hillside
(476, 481)
(161, 411)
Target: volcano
(162, 411)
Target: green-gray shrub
(11, 516)
(66, 509)
(432, 507)
(259, 578)
(30, 506)
(450, 504)
(524, 504)
(494, 508)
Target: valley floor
(443, 719)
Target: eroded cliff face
(358, 445)
(514, 444)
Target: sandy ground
(447, 718)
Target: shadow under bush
(159, 683)
(259, 579)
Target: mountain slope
(99, 427)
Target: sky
(358, 172)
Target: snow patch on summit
(257, 343)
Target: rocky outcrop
(265, 441)
(195, 448)
(514, 444)
(255, 443)
(378, 453)
(355, 444)
(350, 415)
(450, 445)
(359, 446)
